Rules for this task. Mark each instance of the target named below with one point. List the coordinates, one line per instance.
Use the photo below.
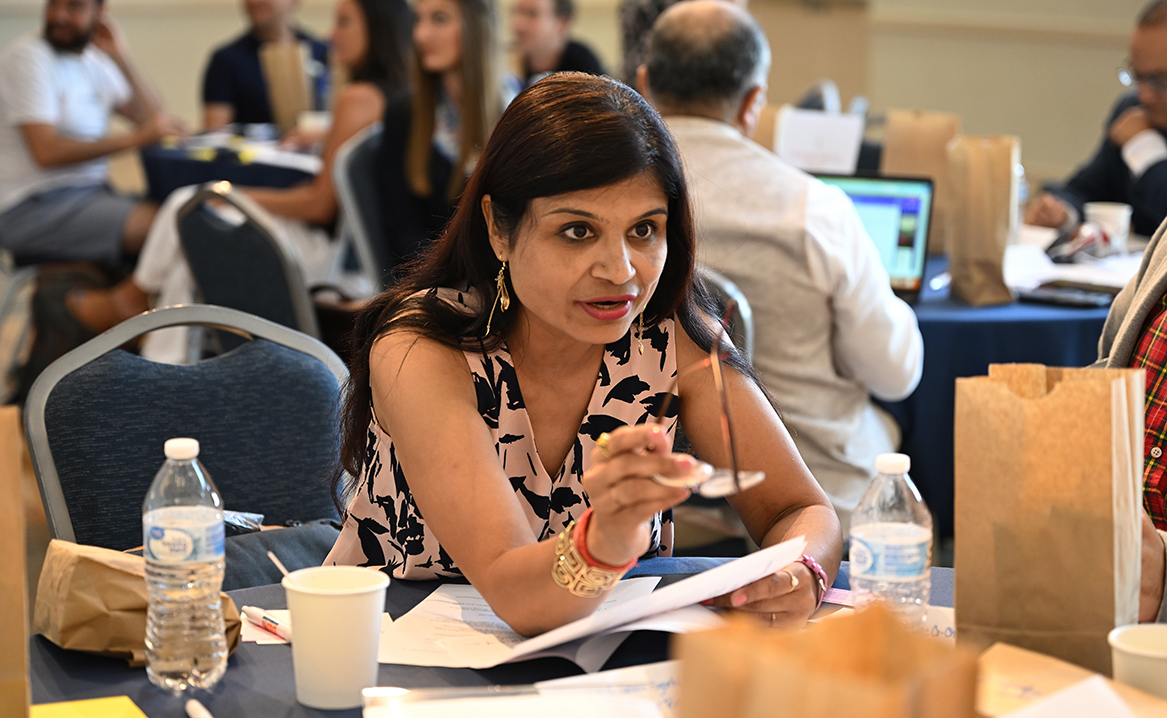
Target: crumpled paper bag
(865, 665)
(94, 599)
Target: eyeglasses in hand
(706, 480)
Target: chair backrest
(741, 322)
(265, 414)
(243, 266)
(354, 175)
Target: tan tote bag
(982, 216)
(915, 144)
(1048, 472)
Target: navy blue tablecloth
(259, 679)
(168, 169)
(962, 341)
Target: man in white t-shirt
(57, 92)
(829, 331)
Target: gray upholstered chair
(243, 266)
(741, 322)
(265, 414)
(354, 174)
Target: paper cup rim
(1116, 633)
(1108, 205)
(289, 585)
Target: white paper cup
(1115, 220)
(1139, 656)
(336, 625)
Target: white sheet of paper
(816, 141)
(1088, 699)
(656, 682)
(695, 589)
(1027, 265)
(455, 627)
(587, 705)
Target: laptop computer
(897, 213)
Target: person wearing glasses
(1130, 166)
(509, 416)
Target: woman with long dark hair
(433, 136)
(501, 416)
(371, 42)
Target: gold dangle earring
(502, 299)
(640, 333)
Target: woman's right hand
(624, 496)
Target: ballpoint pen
(266, 622)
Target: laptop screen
(896, 212)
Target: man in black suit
(1131, 164)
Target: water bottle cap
(893, 463)
(180, 449)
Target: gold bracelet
(572, 572)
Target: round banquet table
(961, 341)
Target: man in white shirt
(829, 331)
(57, 91)
(1130, 165)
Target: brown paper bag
(14, 695)
(982, 216)
(94, 599)
(1048, 480)
(289, 90)
(867, 664)
(915, 144)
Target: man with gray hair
(829, 331)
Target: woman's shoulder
(362, 100)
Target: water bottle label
(181, 541)
(888, 561)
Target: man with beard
(57, 90)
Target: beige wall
(1040, 69)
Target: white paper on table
(454, 627)
(656, 682)
(267, 154)
(693, 590)
(263, 637)
(941, 620)
(816, 141)
(1027, 265)
(433, 636)
(1087, 699)
(584, 705)
(1042, 237)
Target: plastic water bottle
(891, 543)
(182, 536)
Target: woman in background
(433, 137)
(500, 420)
(371, 41)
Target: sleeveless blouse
(383, 526)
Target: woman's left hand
(785, 599)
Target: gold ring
(793, 578)
(602, 444)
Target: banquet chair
(265, 415)
(741, 321)
(354, 175)
(243, 266)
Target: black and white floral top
(383, 527)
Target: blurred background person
(1130, 166)
(371, 41)
(433, 137)
(830, 333)
(57, 92)
(541, 29)
(234, 86)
